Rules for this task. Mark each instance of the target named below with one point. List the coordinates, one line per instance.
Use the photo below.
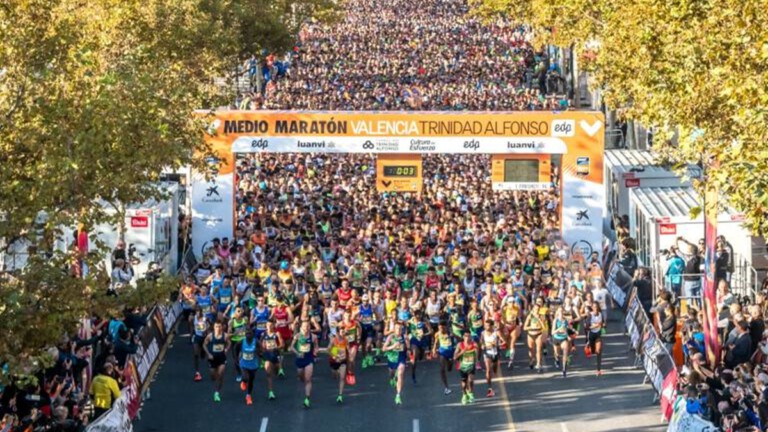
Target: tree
(96, 100)
(691, 68)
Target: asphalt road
(524, 401)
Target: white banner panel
(212, 209)
(374, 144)
(583, 206)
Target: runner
(595, 342)
(305, 348)
(352, 330)
(396, 350)
(490, 342)
(249, 363)
(282, 316)
(511, 312)
(188, 302)
(535, 328)
(237, 328)
(223, 295)
(200, 330)
(259, 317)
(338, 359)
(207, 304)
(418, 330)
(561, 332)
(466, 354)
(367, 317)
(271, 347)
(216, 345)
(444, 346)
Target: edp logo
(563, 128)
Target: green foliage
(96, 100)
(682, 66)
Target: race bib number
(304, 348)
(270, 344)
(248, 356)
(218, 348)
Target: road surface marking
(264, 422)
(415, 425)
(508, 410)
(563, 427)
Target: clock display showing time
(400, 171)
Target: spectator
(739, 350)
(692, 276)
(644, 285)
(668, 327)
(722, 262)
(104, 390)
(125, 346)
(121, 274)
(675, 268)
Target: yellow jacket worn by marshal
(104, 390)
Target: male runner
(216, 346)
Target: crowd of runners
(404, 55)
(324, 267)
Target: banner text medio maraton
(388, 128)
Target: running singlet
(468, 356)
(281, 318)
(201, 326)
(224, 296)
(366, 315)
(398, 348)
(270, 342)
(205, 303)
(351, 329)
(217, 346)
(238, 329)
(338, 350)
(433, 311)
(491, 343)
(560, 330)
(476, 322)
(248, 358)
(344, 297)
(457, 322)
(416, 329)
(403, 314)
(304, 346)
(260, 318)
(511, 313)
(444, 343)
(326, 291)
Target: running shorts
(306, 360)
(219, 359)
(466, 373)
(401, 359)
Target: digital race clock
(400, 171)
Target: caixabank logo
(212, 193)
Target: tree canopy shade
(695, 67)
(96, 100)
